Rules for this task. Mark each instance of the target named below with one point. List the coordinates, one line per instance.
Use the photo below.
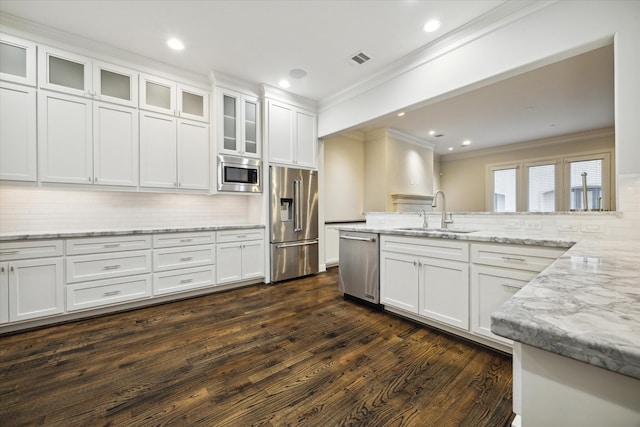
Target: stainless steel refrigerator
(294, 222)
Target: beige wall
(410, 168)
(463, 176)
(375, 176)
(344, 177)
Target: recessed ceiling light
(400, 114)
(432, 132)
(450, 148)
(284, 83)
(297, 73)
(466, 143)
(431, 25)
(175, 44)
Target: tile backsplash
(48, 210)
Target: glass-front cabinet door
(193, 103)
(64, 72)
(239, 124)
(115, 84)
(157, 94)
(17, 60)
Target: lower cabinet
(31, 280)
(240, 255)
(107, 292)
(434, 286)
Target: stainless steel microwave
(239, 174)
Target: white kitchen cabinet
(428, 277)
(173, 153)
(168, 97)
(100, 293)
(490, 288)
(82, 268)
(292, 135)
(65, 138)
(444, 291)
(399, 281)
(18, 143)
(115, 145)
(240, 255)
(31, 280)
(79, 75)
(82, 142)
(238, 124)
(183, 262)
(17, 60)
(497, 273)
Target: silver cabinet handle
(509, 258)
(10, 253)
(185, 240)
(241, 236)
(111, 267)
(112, 245)
(111, 293)
(360, 239)
(186, 280)
(510, 286)
(1, 269)
(188, 258)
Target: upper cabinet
(238, 124)
(17, 60)
(168, 97)
(291, 132)
(18, 142)
(78, 75)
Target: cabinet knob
(1, 269)
(89, 179)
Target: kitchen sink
(436, 230)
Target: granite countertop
(585, 306)
(475, 236)
(119, 232)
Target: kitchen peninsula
(575, 326)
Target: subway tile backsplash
(48, 210)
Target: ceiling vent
(359, 58)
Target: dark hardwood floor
(294, 353)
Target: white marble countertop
(120, 232)
(586, 306)
(474, 236)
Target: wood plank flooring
(290, 354)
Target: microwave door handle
(297, 213)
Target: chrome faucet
(423, 214)
(444, 221)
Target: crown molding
(277, 94)
(526, 145)
(43, 34)
(499, 17)
(405, 137)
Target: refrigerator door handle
(291, 245)
(297, 215)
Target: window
(504, 190)
(588, 181)
(541, 188)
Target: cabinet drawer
(183, 280)
(92, 267)
(108, 292)
(226, 236)
(424, 247)
(515, 256)
(10, 251)
(192, 256)
(183, 239)
(97, 245)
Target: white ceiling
(260, 41)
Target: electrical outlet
(568, 226)
(533, 225)
(592, 228)
(512, 224)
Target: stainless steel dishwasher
(359, 261)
